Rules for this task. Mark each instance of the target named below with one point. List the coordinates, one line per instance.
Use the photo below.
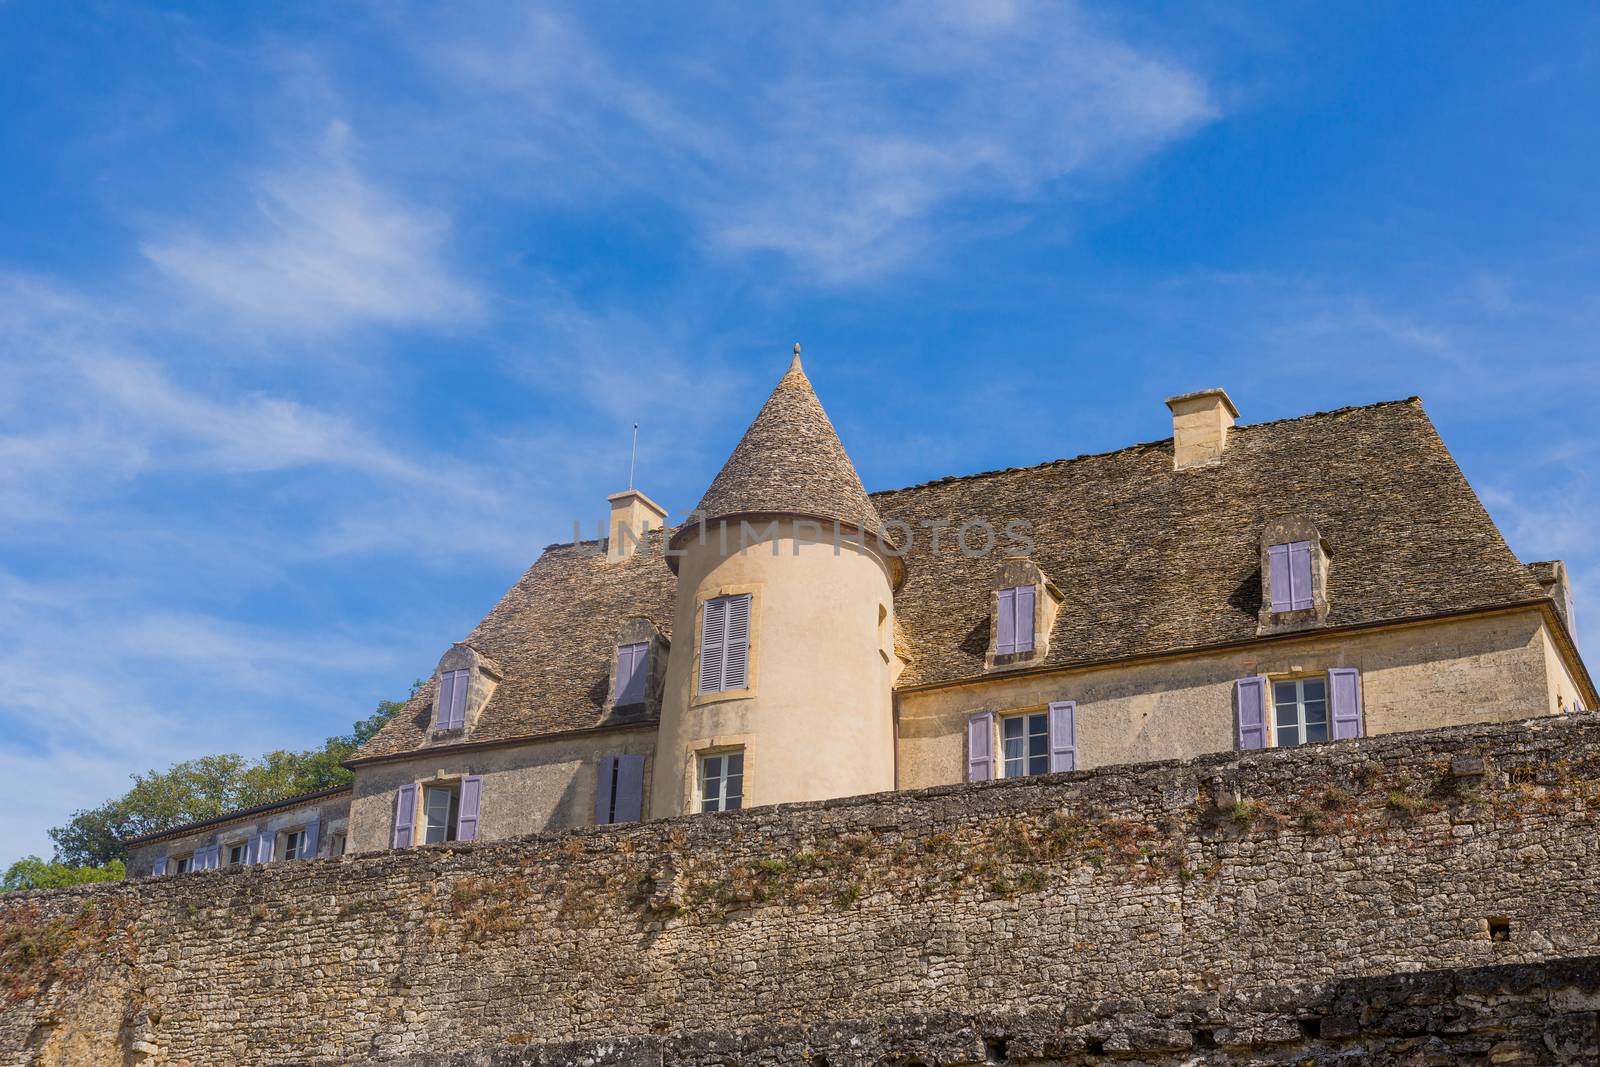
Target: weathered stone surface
(1112, 913)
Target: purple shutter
(405, 812)
(205, 858)
(605, 781)
(1024, 618)
(160, 869)
(1345, 685)
(471, 798)
(1300, 576)
(1250, 711)
(713, 628)
(1278, 577)
(266, 845)
(308, 851)
(447, 688)
(458, 700)
(630, 789)
(1005, 641)
(1064, 736)
(980, 746)
(631, 661)
(736, 649)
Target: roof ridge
(998, 471)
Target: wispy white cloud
(322, 248)
(863, 137)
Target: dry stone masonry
(1268, 907)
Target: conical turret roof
(790, 462)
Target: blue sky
(315, 327)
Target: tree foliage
(31, 872)
(201, 789)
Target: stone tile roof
(1149, 560)
(790, 461)
(553, 637)
(1153, 560)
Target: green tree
(205, 787)
(31, 872)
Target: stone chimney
(632, 516)
(1200, 423)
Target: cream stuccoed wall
(1564, 690)
(1443, 673)
(817, 720)
(537, 785)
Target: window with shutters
(1294, 572)
(632, 666)
(181, 864)
(1014, 621)
(725, 644)
(452, 703)
(238, 853)
(1287, 711)
(722, 780)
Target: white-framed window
(294, 845)
(1299, 711)
(440, 807)
(1025, 744)
(183, 864)
(238, 853)
(722, 781)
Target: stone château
(1231, 588)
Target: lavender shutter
(631, 660)
(1345, 686)
(160, 869)
(736, 650)
(630, 788)
(1024, 624)
(1300, 576)
(980, 746)
(471, 798)
(266, 846)
(405, 813)
(313, 835)
(1250, 712)
(447, 686)
(1005, 641)
(605, 784)
(1278, 577)
(713, 628)
(1064, 736)
(458, 701)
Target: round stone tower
(779, 687)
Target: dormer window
(1294, 576)
(1014, 623)
(632, 660)
(1023, 603)
(453, 687)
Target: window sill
(1285, 622)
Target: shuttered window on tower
(725, 644)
